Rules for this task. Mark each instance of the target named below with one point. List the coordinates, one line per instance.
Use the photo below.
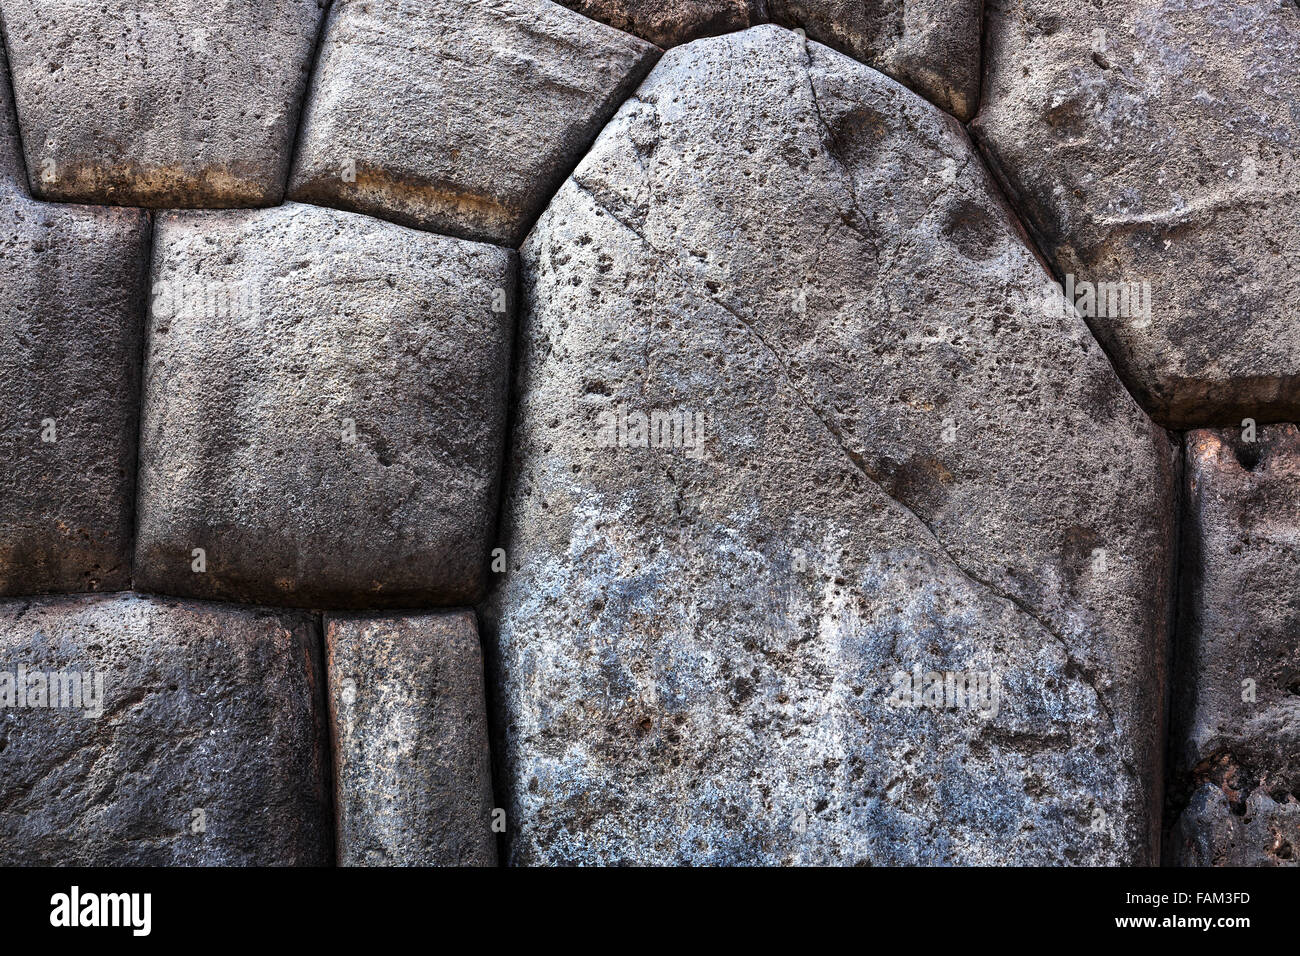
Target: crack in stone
(875, 478)
(863, 466)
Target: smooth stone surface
(456, 116)
(696, 644)
(208, 747)
(1236, 712)
(1158, 142)
(323, 412)
(177, 104)
(413, 774)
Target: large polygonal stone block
(139, 731)
(1236, 714)
(323, 410)
(798, 456)
(183, 103)
(413, 774)
(1153, 147)
(457, 116)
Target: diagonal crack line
(874, 477)
(612, 215)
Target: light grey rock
(1210, 833)
(413, 776)
(696, 645)
(323, 411)
(1158, 142)
(1237, 682)
(183, 103)
(186, 734)
(931, 46)
(455, 115)
(71, 313)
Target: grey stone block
(412, 768)
(1153, 147)
(1236, 714)
(323, 411)
(184, 733)
(175, 104)
(456, 116)
(870, 453)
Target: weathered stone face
(201, 742)
(670, 22)
(455, 116)
(412, 769)
(73, 281)
(1237, 710)
(1157, 142)
(70, 336)
(183, 103)
(698, 642)
(931, 46)
(1210, 833)
(323, 409)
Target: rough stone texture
(1157, 141)
(1211, 833)
(460, 116)
(694, 652)
(1239, 621)
(931, 46)
(206, 708)
(73, 281)
(183, 103)
(411, 764)
(326, 420)
(670, 22)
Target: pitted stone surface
(412, 769)
(323, 409)
(458, 116)
(670, 22)
(697, 643)
(1210, 833)
(931, 46)
(1237, 707)
(206, 746)
(183, 103)
(1158, 142)
(73, 281)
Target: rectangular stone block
(324, 409)
(71, 312)
(412, 769)
(176, 104)
(457, 116)
(1235, 748)
(140, 731)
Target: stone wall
(633, 431)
